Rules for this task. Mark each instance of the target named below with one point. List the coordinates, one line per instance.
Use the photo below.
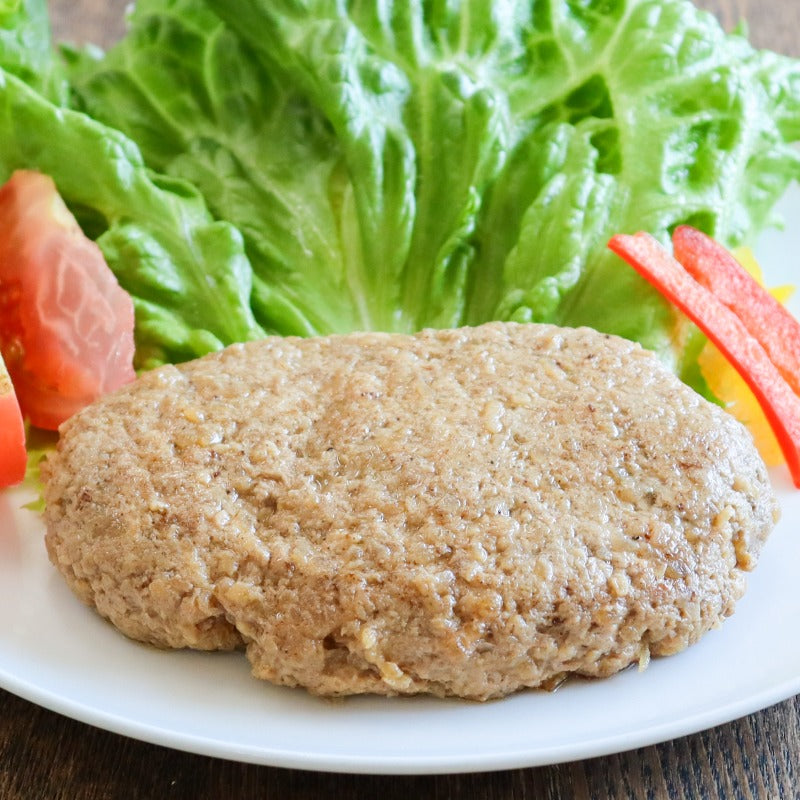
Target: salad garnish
(766, 319)
(732, 324)
(13, 456)
(66, 326)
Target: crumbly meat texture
(463, 512)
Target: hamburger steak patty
(462, 512)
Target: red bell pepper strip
(13, 458)
(766, 319)
(721, 325)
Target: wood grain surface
(44, 755)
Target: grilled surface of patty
(463, 512)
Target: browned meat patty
(462, 512)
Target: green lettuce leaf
(407, 164)
(188, 274)
(39, 444)
(26, 49)
(262, 156)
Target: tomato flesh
(66, 326)
(13, 458)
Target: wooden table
(44, 755)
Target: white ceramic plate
(59, 654)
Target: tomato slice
(66, 325)
(13, 458)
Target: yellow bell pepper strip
(723, 327)
(728, 386)
(764, 317)
(13, 458)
